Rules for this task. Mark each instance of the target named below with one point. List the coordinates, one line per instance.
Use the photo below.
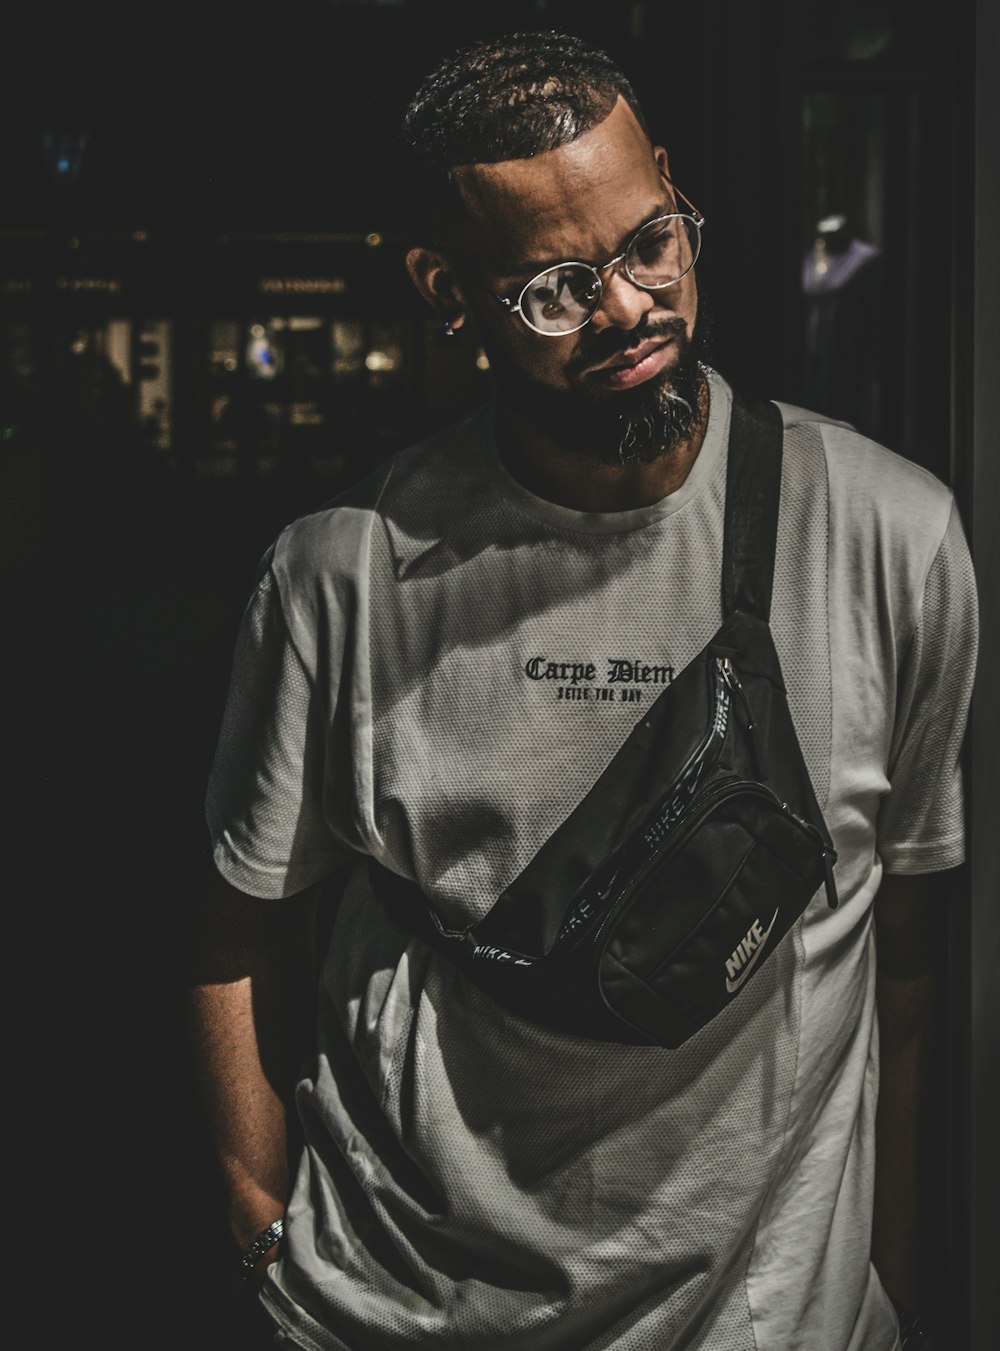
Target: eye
(546, 298)
(653, 246)
(587, 289)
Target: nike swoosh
(733, 985)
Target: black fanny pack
(665, 890)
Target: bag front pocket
(691, 931)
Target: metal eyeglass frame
(514, 307)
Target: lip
(633, 367)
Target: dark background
(171, 179)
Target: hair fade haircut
(502, 98)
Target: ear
(432, 275)
(662, 162)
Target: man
(406, 689)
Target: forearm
(245, 1112)
(243, 1026)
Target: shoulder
(329, 548)
(337, 528)
(871, 486)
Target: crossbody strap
(753, 489)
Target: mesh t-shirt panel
(571, 1194)
(467, 624)
(526, 664)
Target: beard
(618, 427)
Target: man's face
(582, 202)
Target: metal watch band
(265, 1240)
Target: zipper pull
(733, 681)
(829, 859)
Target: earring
(448, 330)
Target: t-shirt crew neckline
(636, 518)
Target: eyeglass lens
(563, 298)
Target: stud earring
(448, 330)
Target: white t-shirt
(432, 671)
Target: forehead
(579, 199)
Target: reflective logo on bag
(746, 954)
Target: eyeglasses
(564, 298)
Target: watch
(264, 1241)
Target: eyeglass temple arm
(698, 216)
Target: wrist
(254, 1257)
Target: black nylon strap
(753, 488)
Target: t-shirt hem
(926, 857)
(266, 884)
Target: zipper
(733, 681)
(829, 858)
(829, 854)
(681, 797)
(686, 783)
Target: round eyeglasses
(564, 298)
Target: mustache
(613, 342)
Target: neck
(564, 476)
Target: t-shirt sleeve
(921, 824)
(264, 803)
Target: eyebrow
(531, 267)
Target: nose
(623, 304)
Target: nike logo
(746, 954)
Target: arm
(241, 1021)
(909, 913)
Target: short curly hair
(502, 98)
